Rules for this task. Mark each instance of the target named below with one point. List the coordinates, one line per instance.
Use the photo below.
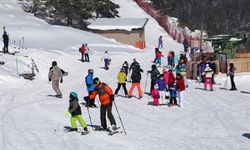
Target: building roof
(118, 23)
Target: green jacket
(121, 77)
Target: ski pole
(145, 87)
(120, 119)
(89, 116)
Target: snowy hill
(31, 120)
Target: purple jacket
(161, 84)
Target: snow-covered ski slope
(29, 120)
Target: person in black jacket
(212, 65)
(154, 75)
(134, 65)
(5, 42)
(76, 113)
(136, 79)
(185, 45)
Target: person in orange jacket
(106, 97)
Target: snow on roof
(118, 23)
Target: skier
(107, 60)
(231, 74)
(181, 88)
(136, 79)
(76, 113)
(170, 58)
(185, 45)
(106, 97)
(90, 87)
(183, 71)
(82, 51)
(208, 77)
(134, 65)
(171, 78)
(160, 42)
(165, 75)
(121, 82)
(156, 50)
(173, 94)
(202, 67)
(6, 42)
(212, 65)
(154, 74)
(55, 75)
(158, 58)
(162, 88)
(155, 95)
(125, 67)
(86, 53)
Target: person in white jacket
(208, 77)
(107, 60)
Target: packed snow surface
(30, 120)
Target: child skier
(155, 95)
(162, 88)
(76, 114)
(173, 94)
(158, 58)
(121, 77)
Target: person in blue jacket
(90, 87)
(162, 89)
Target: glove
(112, 97)
(86, 98)
(49, 80)
(61, 81)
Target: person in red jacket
(181, 88)
(106, 97)
(82, 51)
(171, 78)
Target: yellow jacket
(121, 77)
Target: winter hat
(96, 81)
(54, 63)
(73, 95)
(153, 66)
(90, 71)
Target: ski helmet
(73, 95)
(96, 81)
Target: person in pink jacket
(155, 95)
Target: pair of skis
(98, 128)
